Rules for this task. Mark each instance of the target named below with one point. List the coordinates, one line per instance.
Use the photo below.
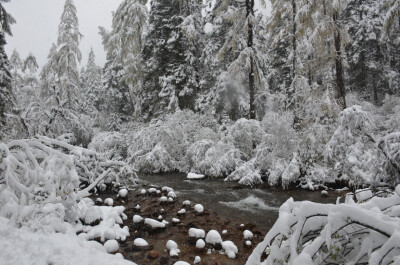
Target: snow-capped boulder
(172, 246)
(140, 242)
(122, 193)
(195, 176)
(247, 234)
(230, 249)
(111, 246)
(199, 209)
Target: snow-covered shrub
(246, 135)
(111, 144)
(162, 145)
(390, 146)
(219, 160)
(33, 174)
(390, 113)
(346, 233)
(352, 151)
(246, 174)
(39, 183)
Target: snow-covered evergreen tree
(6, 93)
(16, 65)
(91, 82)
(69, 54)
(123, 45)
(30, 68)
(170, 55)
(49, 74)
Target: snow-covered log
(344, 233)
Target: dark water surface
(247, 205)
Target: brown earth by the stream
(156, 253)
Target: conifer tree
(7, 100)
(123, 45)
(68, 54)
(91, 81)
(49, 74)
(170, 51)
(16, 66)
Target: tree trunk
(340, 87)
(250, 12)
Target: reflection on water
(259, 206)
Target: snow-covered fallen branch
(350, 232)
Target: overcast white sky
(37, 26)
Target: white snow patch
(197, 233)
(213, 237)
(154, 223)
(111, 246)
(122, 193)
(230, 249)
(247, 234)
(137, 219)
(173, 248)
(199, 208)
(109, 202)
(195, 176)
(140, 242)
(200, 243)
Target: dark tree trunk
(340, 87)
(250, 12)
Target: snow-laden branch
(351, 233)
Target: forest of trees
(292, 72)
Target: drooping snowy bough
(40, 177)
(363, 232)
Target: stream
(247, 205)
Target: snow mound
(137, 219)
(182, 211)
(200, 243)
(230, 249)
(197, 260)
(109, 202)
(199, 208)
(247, 234)
(186, 203)
(122, 193)
(213, 237)
(181, 263)
(111, 246)
(24, 247)
(140, 242)
(173, 248)
(195, 176)
(197, 233)
(154, 223)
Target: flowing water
(247, 205)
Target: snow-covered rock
(197, 260)
(213, 237)
(122, 193)
(99, 200)
(170, 199)
(152, 190)
(137, 219)
(195, 176)
(143, 191)
(109, 202)
(197, 233)
(167, 189)
(182, 211)
(154, 223)
(230, 249)
(172, 246)
(140, 242)
(224, 232)
(160, 217)
(163, 199)
(186, 203)
(200, 244)
(248, 243)
(172, 194)
(199, 208)
(181, 263)
(247, 234)
(176, 220)
(111, 246)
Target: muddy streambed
(227, 207)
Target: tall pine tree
(6, 94)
